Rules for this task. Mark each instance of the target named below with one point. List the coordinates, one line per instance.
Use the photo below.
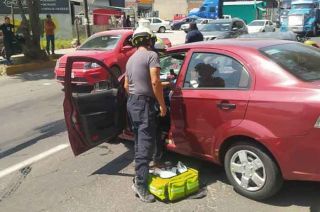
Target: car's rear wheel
(116, 70)
(251, 171)
(162, 29)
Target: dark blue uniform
(194, 36)
(8, 37)
(141, 106)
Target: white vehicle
(261, 26)
(200, 23)
(158, 25)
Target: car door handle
(226, 106)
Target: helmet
(311, 43)
(141, 35)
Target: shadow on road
(304, 194)
(36, 75)
(45, 131)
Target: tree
(31, 30)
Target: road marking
(46, 83)
(32, 160)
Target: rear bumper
(82, 77)
(297, 156)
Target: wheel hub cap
(248, 170)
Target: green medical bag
(176, 187)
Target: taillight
(317, 125)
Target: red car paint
(277, 111)
(116, 57)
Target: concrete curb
(28, 67)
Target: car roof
(225, 20)
(115, 32)
(228, 44)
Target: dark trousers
(8, 49)
(50, 39)
(142, 113)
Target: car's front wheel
(251, 171)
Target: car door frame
(78, 141)
(177, 93)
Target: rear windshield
(105, 42)
(300, 60)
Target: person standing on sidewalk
(8, 37)
(49, 28)
(142, 82)
(194, 35)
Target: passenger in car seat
(206, 78)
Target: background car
(261, 26)
(258, 117)
(291, 36)
(177, 24)
(200, 23)
(159, 25)
(112, 47)
(224, 28)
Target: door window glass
(215, 71)
(171, 65)
(157, 21)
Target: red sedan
(111, 47)
(252, 106)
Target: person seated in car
(206, 78)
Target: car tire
(250, 180)
(162, 30)
(116, 71)
(273, 30)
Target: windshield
(256, 23)
(300, 60)
(302, 6)
(216, 27)
(105, 42)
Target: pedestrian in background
(142, 82)
(128, 22)
(8, 37)
(194, 35)
(49, 28)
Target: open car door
(94, 116)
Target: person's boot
(143, 193)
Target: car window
(215, 71)
(156, 21)
(219, 26)
(104, 42)
(300, 60)
(171, 64)
(238, 25)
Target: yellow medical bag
(176, 187)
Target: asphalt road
(31, 123)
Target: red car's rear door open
(96, 116)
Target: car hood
(214, 34)
(99, 55)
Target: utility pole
(86, 15)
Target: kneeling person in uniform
(142, 82)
